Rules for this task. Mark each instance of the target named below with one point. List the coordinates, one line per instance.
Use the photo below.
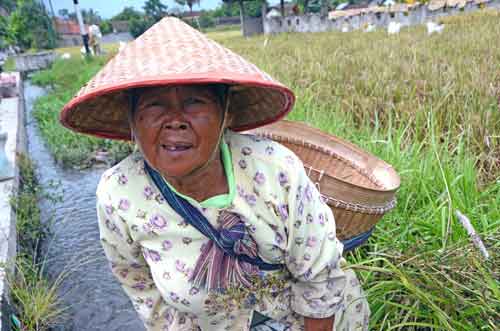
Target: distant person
(95, 37)
(202, 225)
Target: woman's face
(177, 128)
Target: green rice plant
(63, 81)
(35, 298)
(452, 289)
(9, 65)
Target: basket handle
(360, 208)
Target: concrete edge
(11, 122)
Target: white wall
(316, 23)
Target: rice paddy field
(428, 105)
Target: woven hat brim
(173, 53)
(104, 112)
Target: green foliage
(155, 10)
(106, 27)
(188, 3)
(252, 8)
(8, 5)
(9, 65)
(90, 16)
(226, 9)
(139, 22)
(30, 26)
(64, 79)
(127, 14)
(206, 21)
(138, 26)
(5, 36)
(35, 297)
(25, 204)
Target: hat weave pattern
(173, 53)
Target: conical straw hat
(173, 53)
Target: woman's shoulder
(123, 176)
(261, 150)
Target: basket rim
(285, 124)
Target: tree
(30, 26)
(127, 14)
(155, 10)
(226, 9)
(106, 27)
(137, 26)
(206, 20)
(256, 6)
(5, 37)
(8, 5)
(188, 3)
(89, 16)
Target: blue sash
(195, 218)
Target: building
(68, 32)
(120, 26)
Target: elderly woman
(204, 226)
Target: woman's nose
(175, 124)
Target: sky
(109, 8)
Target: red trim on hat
(181, 79)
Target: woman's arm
(314, 254)
(129, 267)
(319, 324)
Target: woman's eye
(194, 101)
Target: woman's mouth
(177, 147)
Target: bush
(106, 27)
(31, 27)
(206, 21)
(64, 79)
(137, 26)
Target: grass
(63, 80)
(9, 65)
(75, 51)
(35, 297)
(429, 105)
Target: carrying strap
(195, 218)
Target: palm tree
(188, 3)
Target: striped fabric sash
(230, 257)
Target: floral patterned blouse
(152, 250)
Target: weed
(63, 80)
(35, 297)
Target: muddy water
(94, 300)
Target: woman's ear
(229, 120)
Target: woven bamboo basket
(358, 187)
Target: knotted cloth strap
(230, 240)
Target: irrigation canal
(94, 300)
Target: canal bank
(12, 142)
(94, 300)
